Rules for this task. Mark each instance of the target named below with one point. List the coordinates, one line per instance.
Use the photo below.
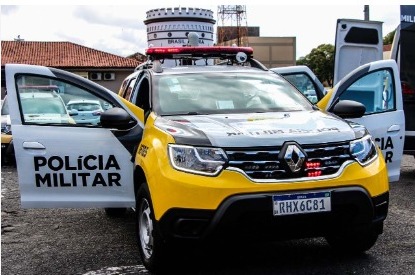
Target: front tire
(153, 249)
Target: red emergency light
(312, 169)
(188, 55)
(198, 51)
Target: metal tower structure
(234, 24)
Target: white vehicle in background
(44, 107)
(40, 105)
(304, 80)
(85, 111)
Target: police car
(214, 147)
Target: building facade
(270, 51)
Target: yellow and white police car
(209, 150)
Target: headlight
(198, 160)
(363, 150)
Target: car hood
(256, 129)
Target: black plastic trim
(250, 215)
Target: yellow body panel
(6, 138)
(322, 104)
(171, 188)
(137, 111)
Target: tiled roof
(60, 54)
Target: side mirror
(116, 118)
(349, 109)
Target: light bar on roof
(196, 51)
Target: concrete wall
(271, 51)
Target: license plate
(301, 203)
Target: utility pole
(230, 15)
(366, 12)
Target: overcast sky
(119, 29)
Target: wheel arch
(139, 178)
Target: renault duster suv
(236, 150)
(206, 144)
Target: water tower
(170, 26)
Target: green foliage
(321, 61)
(388, 39)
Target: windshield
(210, 93)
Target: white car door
(358, 42)
(61, 163)
(377, 86)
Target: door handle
(33, 145)
(394, 128)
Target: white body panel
(67, 166)
(358, 42)
(387, 128)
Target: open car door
(358, 42)
(377, 86)
(64, 160)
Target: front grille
(268, 162)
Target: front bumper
(171, 189)
(189, 206)
(251, 216)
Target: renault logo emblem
(294, 157)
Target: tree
(388, 39)
(321, 61)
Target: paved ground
(73, 241)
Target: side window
(129, 90)
(375, 90)
(304, 84)
(123, 87)
(141, 96)
(49, 101)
